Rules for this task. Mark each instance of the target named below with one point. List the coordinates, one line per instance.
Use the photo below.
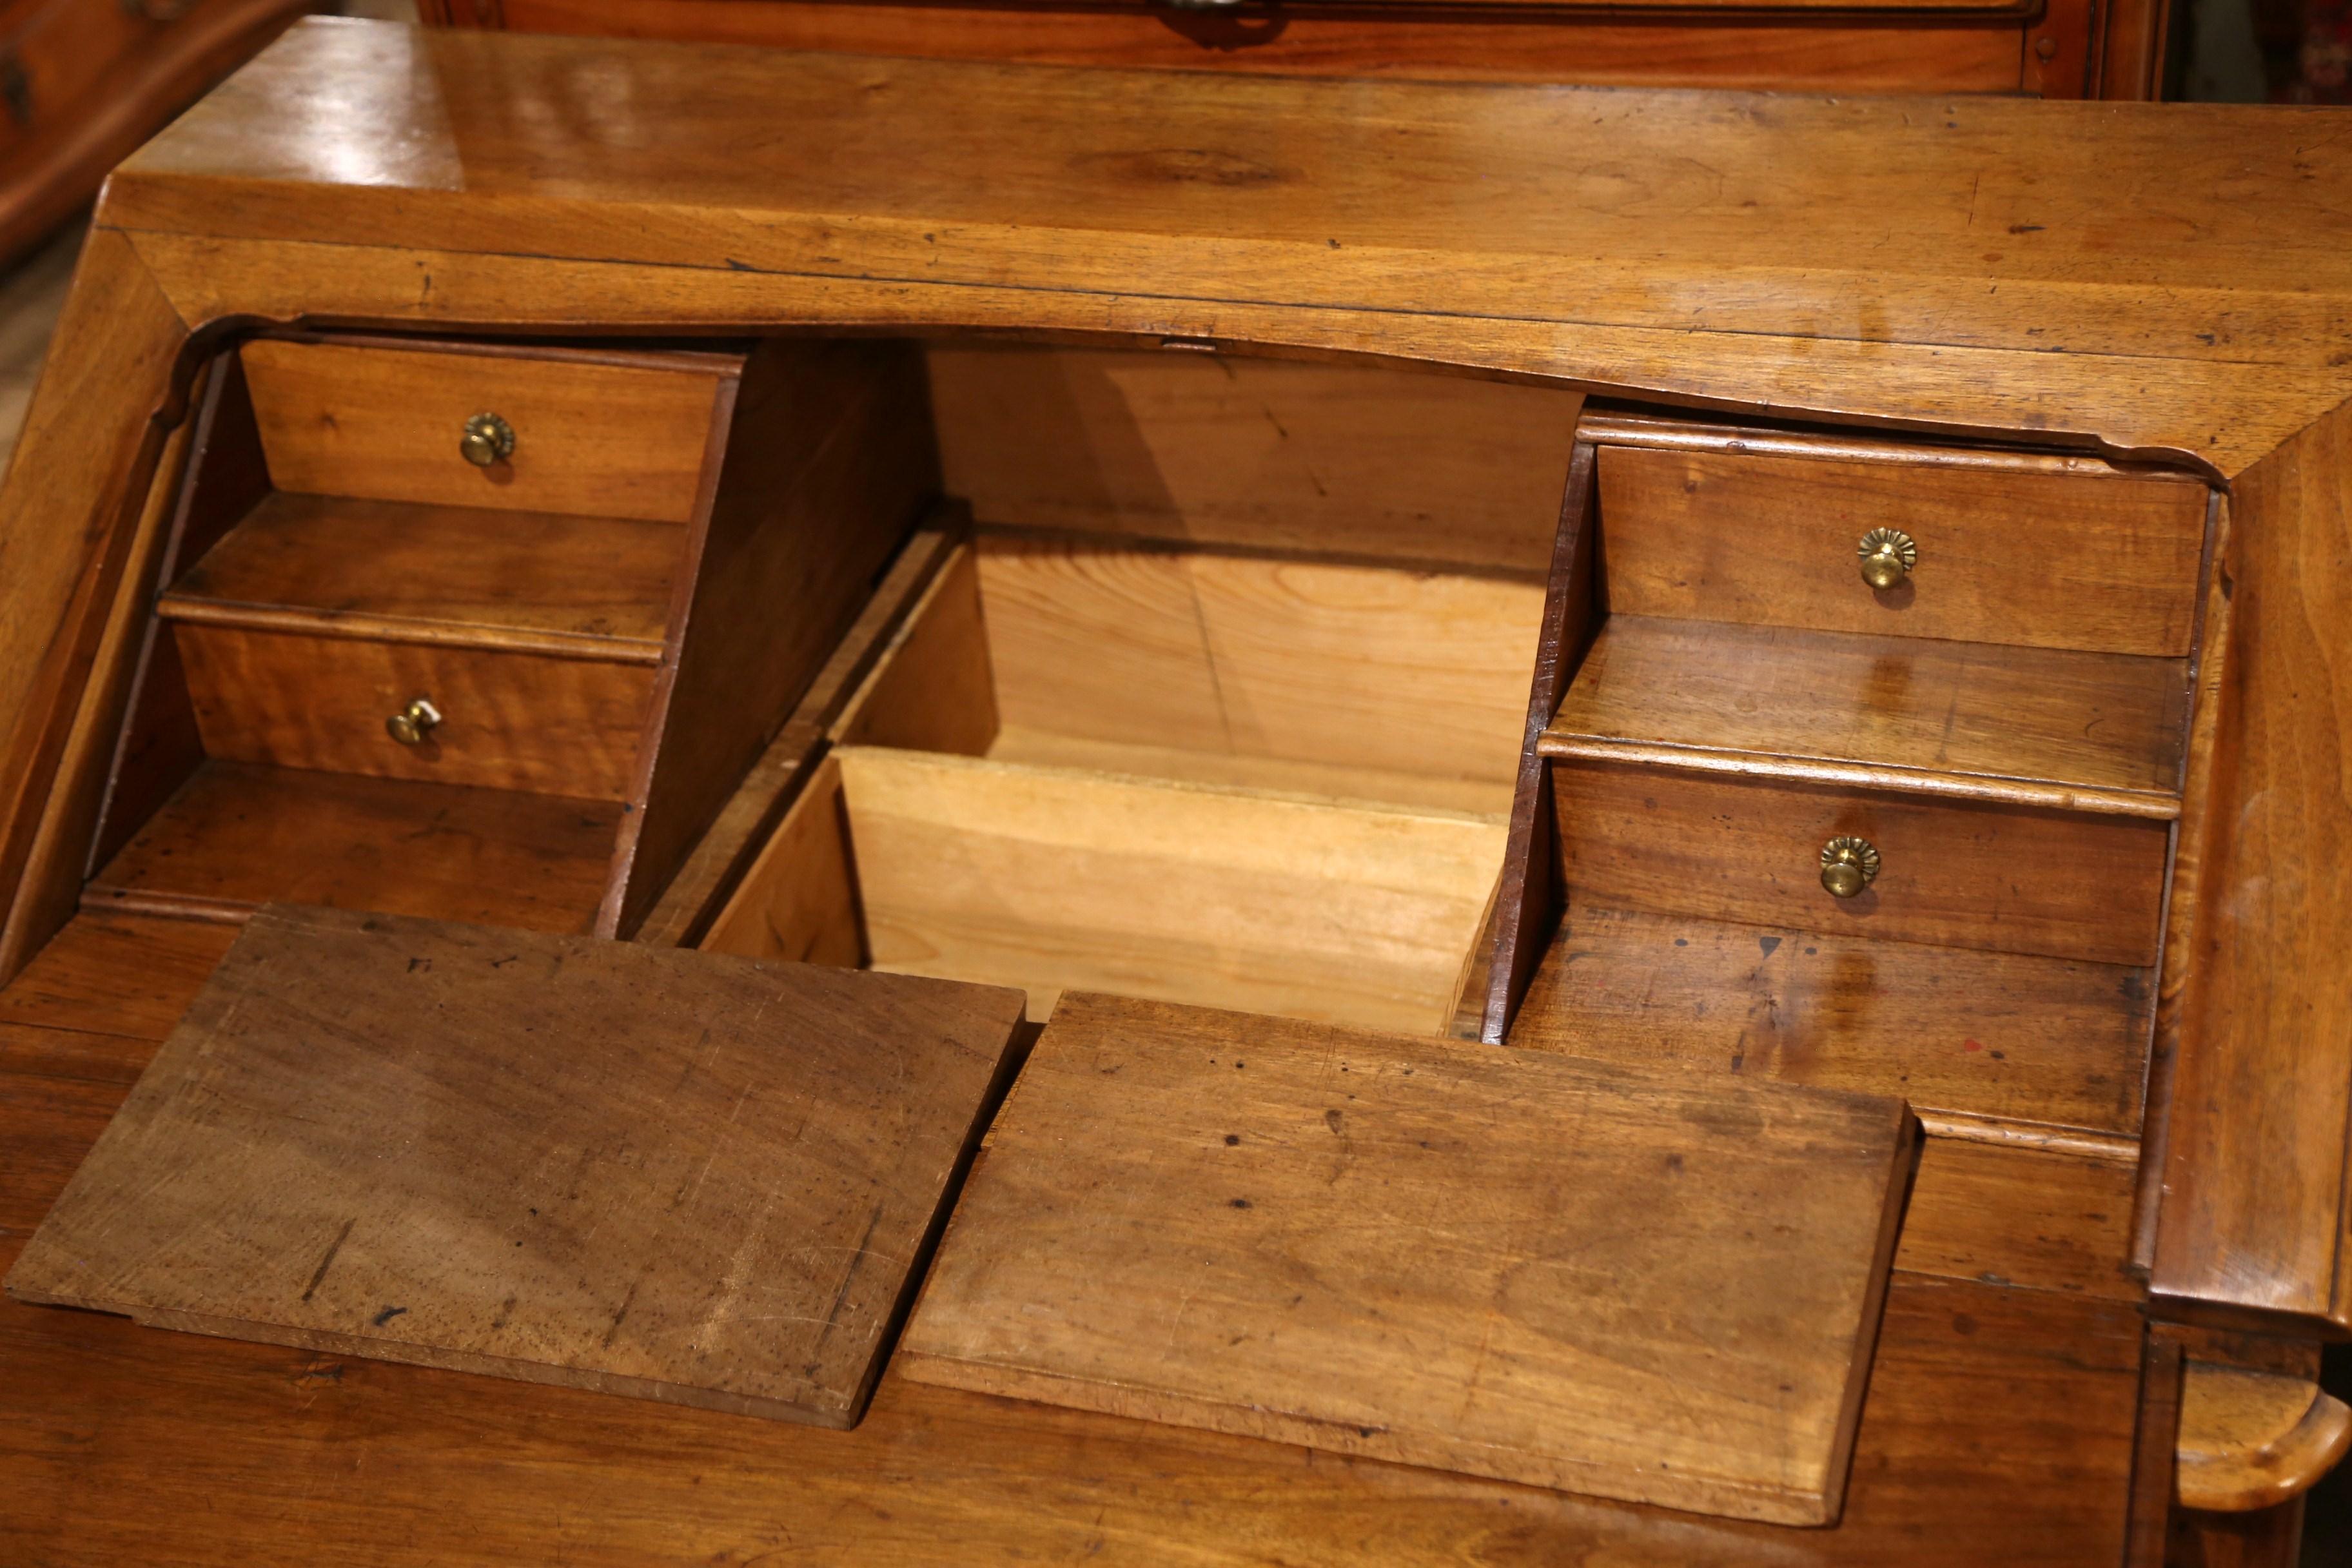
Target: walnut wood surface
(1209, 449)
(1954, 873)
(1996, 1035)
(600, 1165)
(2252, 1439)
(2097, 730)
(237, 836)
(2254, 1216)
(382, 424)
(540, 582)
(2102, 563)
(829, 461)
(464, 1468)
(117, 973)
(508, 720)
(1889, 53)
(1388, 1248)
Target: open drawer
(1277, 785)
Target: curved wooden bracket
(2254, 1439)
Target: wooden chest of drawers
(1524, 568)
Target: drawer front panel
(384, 424)
(520, 721)
(1955, 873)
(2039, 557)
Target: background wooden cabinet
(2058, 49)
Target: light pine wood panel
(116, 973)
(1404, 671)
(1224, 451)
(1386, 1248)
(799, 902)
(707, 877)
(459, 574)
(1043, 879)
(1336, 781)
(1954, 873)
(2085, 723)
(610, 1166)
(931, 689)
(508, 720)
(236, 836)
(383, 423)
(1984, 1034)
(2070, 560)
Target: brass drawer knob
(1888, 555)
(1848, 866)
(414, 722)
(487, 439)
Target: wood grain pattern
(468, 576)
(2030, 1218)
(1997, 1035)
(1210, 449)
(799, 900)
(1043, 879)
(1953, 873)
(382, 423)
(1528, 900)
(1359, 666)
(116, 973)
(829, 463)
(932, 689)
(508, 720)
(2255, 1216)
(2100, 564)
(680, 1176)
(2090, 726)
(1380, 1246)
(707, 876)
(79, 478)
(2254, 1439)
(1817, 53)
(237, 836)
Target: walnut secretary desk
(1850, 594)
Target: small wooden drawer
(611, 435)
(2033, 550)
(508, 720)
(1955, 873)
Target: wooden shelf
(1986, 1036)
(2039, 727)
(582, 588)
(237, 835)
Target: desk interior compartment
(1181, 722)
(1999, 736)
(592, 630)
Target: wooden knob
(414, 722)
(1888, 557)
(1848, 866)
(487, 439)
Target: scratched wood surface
(1596, 1279)
(683, 1177)
(1998, 1420)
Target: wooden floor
(1999, 1423)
